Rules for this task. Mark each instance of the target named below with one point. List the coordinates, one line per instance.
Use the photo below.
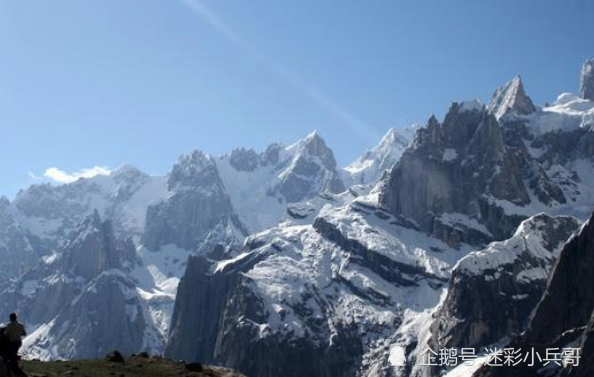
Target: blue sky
(101, 83)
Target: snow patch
(449, 154)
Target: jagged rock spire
(196, 169)
(314, 145)
(587, 80)
(511, 97)
(312, 169)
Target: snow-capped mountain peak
(286, 263)
(313, 146)
(511, 97)
(192, 170)
(392, 139)
(368, 168)
(127, 172)
(261, 185)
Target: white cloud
(61, 176)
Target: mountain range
(465, 232)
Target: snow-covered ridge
(567, 113)
(51, 212)
(327, 263)
(370, 167)
(530, 236)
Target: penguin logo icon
(397, 358)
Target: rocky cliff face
(347, 276)
(587, 80)
(474, 178)
(289, 272)
(346, 285)
(59, 257)
(563, 316)
(569, 299)
(312, 170)
(493, 291)
(459, 167)
(83, 296)
(42, 217)
(16, 252)
(196, 205)
(50, 213)
(93, 248)
(511, 98)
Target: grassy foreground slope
(132, 367)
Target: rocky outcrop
(563, 316)
(311, 170)
(93, 248)
(587, 80)
(493, 291)
(392, 271)
(586, 343)
(197, 204)
(474, 178)
(568, 302)
(459, 167)
(90, 303)
(108, 314)
(16, 252)
(313, 300)
(511, 98)
(229, 327)
(204, 298)
(50, 213)
(244, 159)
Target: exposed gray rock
(586, 367)
(587, 80)
(108, 314)
(455, 168)
(226, 329)
(93, 249)
(244, 159)
(311, 171)
(568, 302)
(511, 98)
(563, 316)
(197, 204)
(16, 252)
(493, 291)
(271, 155)
(51, 212)
(204, 299)
(90, 305)
(394, 272)
(302, 301)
